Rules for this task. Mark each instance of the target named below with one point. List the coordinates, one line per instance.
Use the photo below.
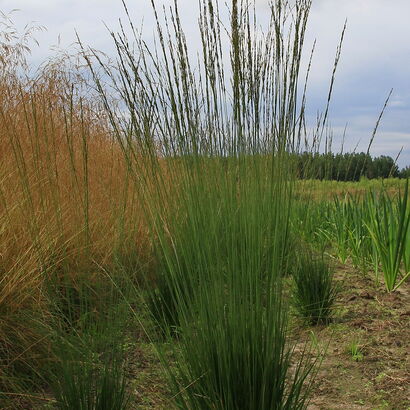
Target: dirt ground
(378, 324)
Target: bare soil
(379, 324)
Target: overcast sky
(375, 56)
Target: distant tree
(384, 167)
(405, 172)
(345, 167)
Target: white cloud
(377, 34)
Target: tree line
(347, 167)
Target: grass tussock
(216, 183)
(314, 290)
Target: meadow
(169, 257)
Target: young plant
(359, 242)
(388, 227)
(406, 248)
(314, 290)
(338, 229)
(355, 350)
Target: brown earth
(379, 323)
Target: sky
(375, 56)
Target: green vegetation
(389, 229)
(81, 385)
(371, 230)
(225, 183)
(314, 291)
(355, 351)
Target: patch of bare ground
(367, 363)
(147, 381)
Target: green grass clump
(90, 318)
(87, 384)
(314, 290)
(89, 369)
(355, 350)
(209, 144)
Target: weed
(355, 351)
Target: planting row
(372, 230)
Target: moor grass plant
(314, 290)
(88, 372)
(208, 145)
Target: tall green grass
(86, 386)
(208, 145)
(388, 227)
(204, 147)
(88, 371)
